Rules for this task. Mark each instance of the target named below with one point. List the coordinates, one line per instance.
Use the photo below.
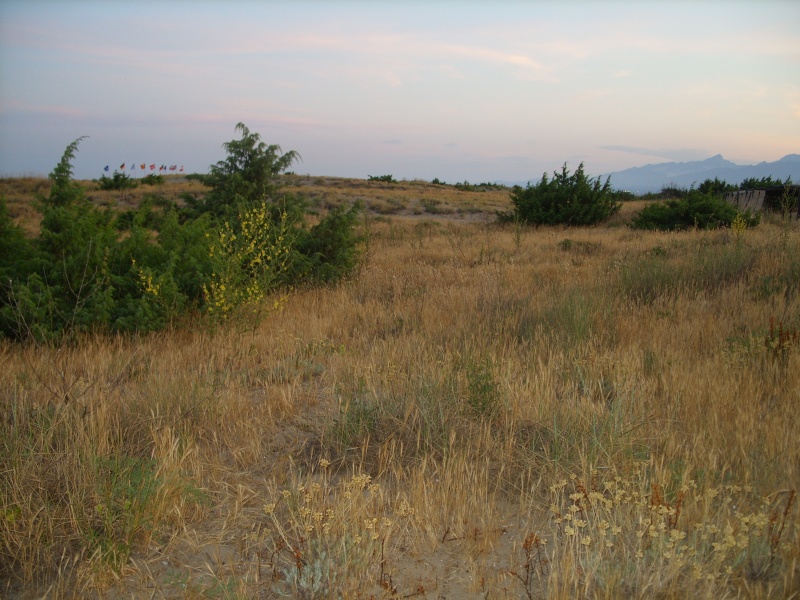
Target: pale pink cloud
(49, 110)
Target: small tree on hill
(566, 199)
(247, 176)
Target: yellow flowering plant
(248, 262)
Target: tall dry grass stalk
(546, 413)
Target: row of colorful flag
(143, 167)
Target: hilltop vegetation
(219, 254)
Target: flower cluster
(247, 262)
(683, 535)
(146, 282)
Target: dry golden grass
(484, 412)
(403, 198)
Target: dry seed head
(404, 509)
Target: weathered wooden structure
(771, 198)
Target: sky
(455, 90)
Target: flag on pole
(143, 166)
(181, 169)
(152, 167)
(106, 169)
(122, 167)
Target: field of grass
(484, 412)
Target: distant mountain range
(652, 178)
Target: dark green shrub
(697, 209)
(153, 179)
(566, 199)
(332, 249)
(151, 208)
(753, 183)
(118, 181)
(66, 284)
(17, 255)
(200, 177)
(716, 187)
(673, 191)
(384, 178)
(623, 196)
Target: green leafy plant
(249, 174)
(716, 187)
(153, 179)
(67, 285)
(384, 178)
(118, 181)
(247, 261)
(332, 249)
(483, 392)
(325, 252)
(753, 183)
(566, 199)
(697, 209)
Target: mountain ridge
(654, 177)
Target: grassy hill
(483, 412)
